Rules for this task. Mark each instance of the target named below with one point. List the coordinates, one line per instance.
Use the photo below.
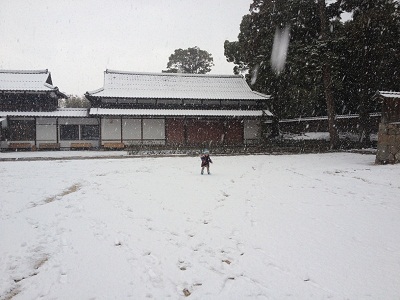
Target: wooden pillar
(185, 134)
(99, 124)
(36, 132)
(141, 130)
(121, 130)
(57, 131)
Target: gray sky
(78, 39)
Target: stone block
(393, 129)
(383, 139)
(394, 149)
(382, 128)
(382, 154)
(397, 157)
(391, 140)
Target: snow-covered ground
(317, 226)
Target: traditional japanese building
(176, 109)
(31, 119)
(389, 129)
(130, 109)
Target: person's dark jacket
(205, 160)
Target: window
(22, 130)
(69, 132)
(89, 132)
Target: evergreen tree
(191, 60)
(372, 40)
(363, 55)
(297, 90)
(74, 101)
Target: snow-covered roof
(61, 112)
(120, 84)
(386, 94)
(27, 80)
(177, 112)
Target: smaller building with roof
(389, 129)
(31, 119)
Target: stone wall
(388, 144)
(345, 124)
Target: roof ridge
(44, 71)
(109, 71)
(162, 109)
(177, 112)
(71, 108)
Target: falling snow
(280, 48)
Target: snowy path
(266, 227)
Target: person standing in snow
(205, 161)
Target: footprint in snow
(182, 265)
(225, 195)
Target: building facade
(176, 110)
(130, 109)
(31, 119)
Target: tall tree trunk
(327, 78)
(364, 119)
(276, 117)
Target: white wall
(111, 129)
(46, 133)
(46, 130)
(131, 129)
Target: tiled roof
(119, 84)
(176, 112)
(61, 112)
(27, 80)
(387, 94)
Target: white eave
(177, 112)
(61, 112)
(387, 94)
